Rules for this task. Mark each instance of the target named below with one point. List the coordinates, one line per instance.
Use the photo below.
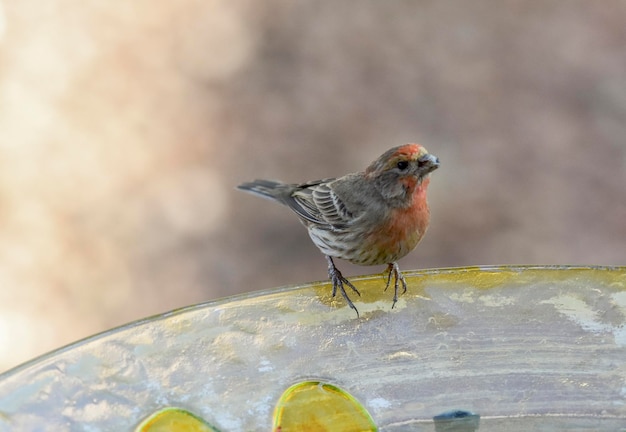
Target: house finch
(372, 217)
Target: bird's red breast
(403, 229)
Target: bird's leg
(338, 280)
(394, 270)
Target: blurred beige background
(124, 127)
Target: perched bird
(372, 217)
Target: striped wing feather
(316, 202)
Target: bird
(373, 217)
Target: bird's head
(401, 170)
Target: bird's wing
(316, 202)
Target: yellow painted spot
(316, 406)
(174, 420)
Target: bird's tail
(267, 189)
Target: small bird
(372, 217)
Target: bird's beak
(427, 163)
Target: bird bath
(509, 348)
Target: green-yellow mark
(480, 278)
(316, 406)
(173, 419)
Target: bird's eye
(402, 165)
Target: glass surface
(524, 348)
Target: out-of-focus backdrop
(125, 126)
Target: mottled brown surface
(124, 128)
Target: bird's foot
(338, 281)
(394, 270)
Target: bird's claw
(338, 280)
(394, 270)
